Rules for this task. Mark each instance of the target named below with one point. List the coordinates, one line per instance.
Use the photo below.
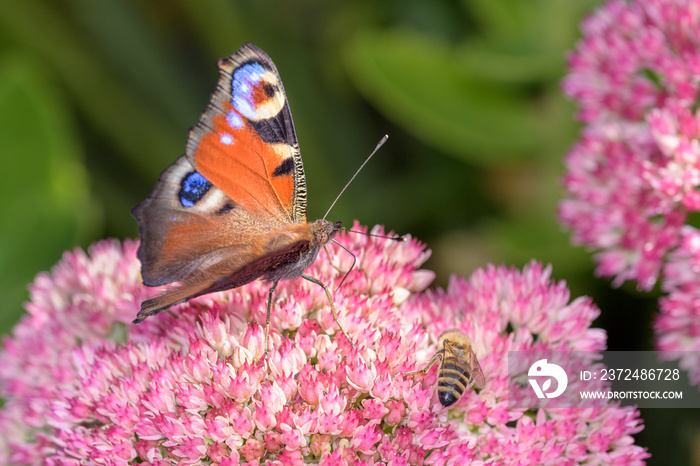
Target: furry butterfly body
(232, 209)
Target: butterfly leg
(330, 299)
(330, 259)
(337, 268)
(269, 312)
(437, 357)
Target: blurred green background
(96, 98)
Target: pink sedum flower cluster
(82, 385)
(633, 179)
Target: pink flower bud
(254, 341)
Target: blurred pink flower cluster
(633, 179)
(190, 386)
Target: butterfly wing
(194, 234)
(235, 204)
(186, 223)
(245, 143)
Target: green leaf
(499, 63)
(418, 82)
(538, 24)
(46, 205)
(115, 110)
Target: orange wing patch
(251, 172)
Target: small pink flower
(272, 397)
(396, 411)
(333, 403)
(273, 442)
(253, 342)
(253, 449)
(360, 376)
(244, 385)
(374, 410)
(311, 388)
(366, 437)
(264, 418)
(289, 457)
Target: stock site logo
(541, 369)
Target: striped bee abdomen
(453, 380)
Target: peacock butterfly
(232, 209)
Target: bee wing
(476, 375)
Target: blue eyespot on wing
(251, 90)
(193, 188)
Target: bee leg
(330, 299)
(269, 311)
(437, 357)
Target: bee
(459, 369)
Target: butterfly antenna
(354, 260)
(381, 143)
(391, 237)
